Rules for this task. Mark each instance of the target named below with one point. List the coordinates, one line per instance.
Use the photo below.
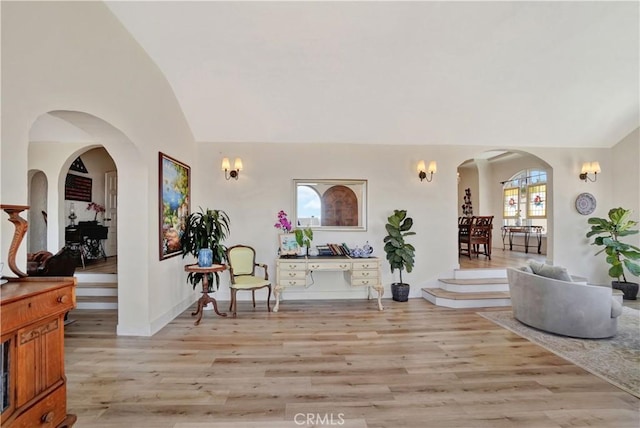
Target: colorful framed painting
(174, 200)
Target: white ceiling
(502, 74)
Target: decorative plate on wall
(585, 203)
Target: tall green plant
(400, 254)
(619, 254)
(205, 229)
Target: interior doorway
(481, 192)
(37, 215)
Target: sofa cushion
(549, 271)
(526, 269)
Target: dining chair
(242, 269)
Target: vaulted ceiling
(503, 74)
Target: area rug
(616, 360)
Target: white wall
(75, 57)
(626, 175)
(265, 187)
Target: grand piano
(86, 237)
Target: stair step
(449, 299)
(91, 299)
(93, 278)
(97, 285)
(476, 285)
(474, 281)
(439, 292)
(480, 273)
(96, 302)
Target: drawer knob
(47, 418)
(63, 299)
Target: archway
(37, 215)
(480, 192)
(57, 138)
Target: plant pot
(629, 289)
(400, 291)
(205, 257)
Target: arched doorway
(37, 215)
(57, 139)
(481, 187)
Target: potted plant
(400, 254)
(304, 237)
(202, 238)
(619, 254)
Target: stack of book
(333, 250)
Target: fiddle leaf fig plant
(400, 254)
(607, 233)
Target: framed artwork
(77, 188)
(174, 200)
(288, 244)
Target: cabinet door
(40, 358)
(7, 376)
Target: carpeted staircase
(471, 288)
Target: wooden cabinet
(32, 352)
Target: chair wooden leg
(269, 300)
(253, 296)
(234, 302)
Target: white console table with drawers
(359, 272)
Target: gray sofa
(563, 307)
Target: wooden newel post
(21, 226)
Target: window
(511, 198)
(309, 206)
(525, 198)
(537, 201)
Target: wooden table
(205, 299)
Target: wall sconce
(590, 168)
(231, 173)
(433, 168)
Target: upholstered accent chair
(242, 269)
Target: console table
(509, 231)
(359, 272)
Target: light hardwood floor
(412, 365)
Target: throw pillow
(526, 269)
(549, 271)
